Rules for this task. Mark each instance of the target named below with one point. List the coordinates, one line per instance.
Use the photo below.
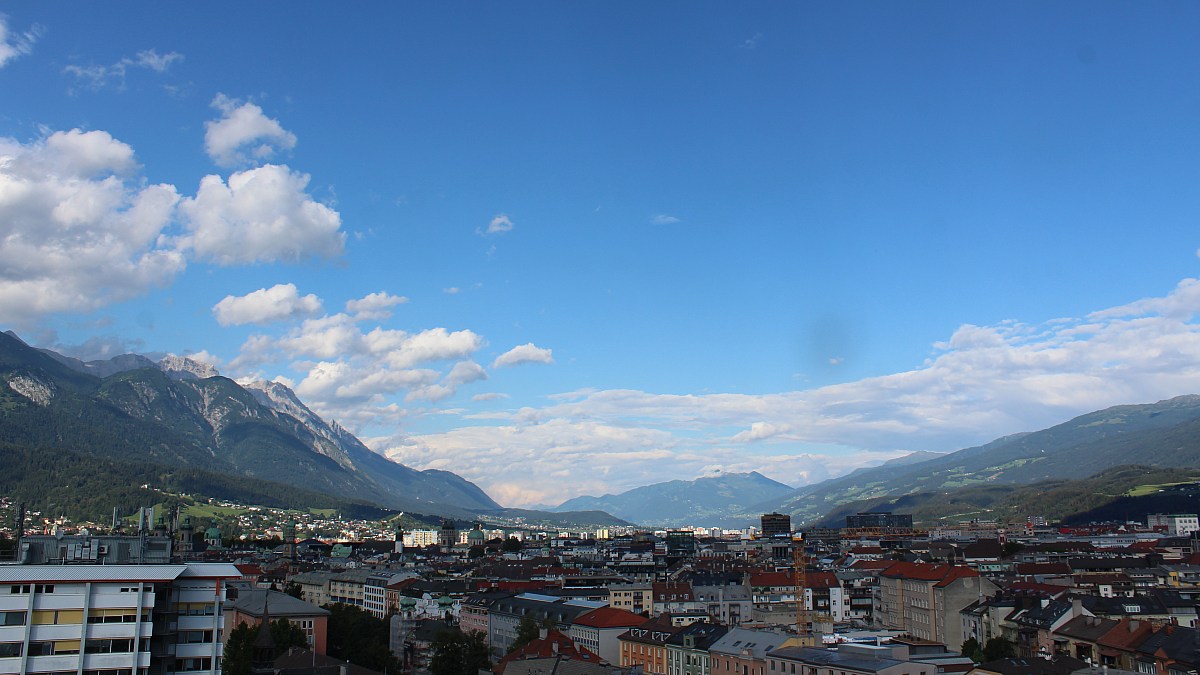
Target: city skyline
(567, 250)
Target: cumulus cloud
(374, 306)
(526, 353)
(80, 230)
(14, 44)
(760, 431)
(499, 224)
(981, 383)
(266, 305)
(243, 134)
(96, 77)
(350, 373)
(259, 215)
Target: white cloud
(96, 77)
(266, 305)
(751, 42)
(499, 224)
(374, 306)
(259, 215)
(80, 230)
(981, 383)
(526, 353)
(452, 290)
(664, 219)
(761, 431)
(243, 134)
(13, 45)
(489, 396)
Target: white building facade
(112, 619)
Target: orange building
(250, 606)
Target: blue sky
(572, 248)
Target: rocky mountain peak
(181, 367)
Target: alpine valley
(180, 420)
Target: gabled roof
(256, 602)
(554, 644)
(944, 575)
(609, 617)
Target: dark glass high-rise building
(776, 525)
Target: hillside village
(877, 597)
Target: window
(109, 646)
(46, 617)
(12, 618)
(47, 648)
(19, 588)
(186, 665)
(9, 649)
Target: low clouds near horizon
(981, 383)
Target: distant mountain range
(1159, 435)
(178, 413)
(679, 502)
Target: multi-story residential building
(474, 609)
(134, 619)
(743, 652)
(1176, 524)
(420, 538)
(925, 600)
(505, 616)
(599, 629)
(645, 646)
(687, 650)
(672, 597)
(727, 604)
(637, 597)
(347, 587)
(314, 587)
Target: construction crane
(806, 620)
(800, 578)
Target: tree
(458, 653)
(287, 634)
(998, 648)
(239, 651)
(511, 545)
(353, 635)
(972, 650)
(476, 552)
(527, 631)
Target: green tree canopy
(458, 653)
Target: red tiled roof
(1128, 634)
(609, 617)
(773, 580)
(944, 575)
(554, 644)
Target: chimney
(1076, 607)
(554, 646)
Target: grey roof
(280, 604)
(743, 640)
(833, 658)
(68, 573)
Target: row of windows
(104, 671)
(60, 647)
(16, 589)
(191, 665)
(51, 617)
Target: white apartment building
(1177, 524)
(112, 619)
